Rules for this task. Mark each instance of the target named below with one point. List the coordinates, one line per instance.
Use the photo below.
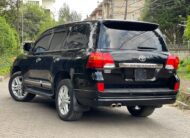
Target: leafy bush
(187, 30)
(9, 41)
(184, 69)
(6, 61)
(8, 37)
(188, 68)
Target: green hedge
(9, 42)
(6, 61)
(184, 68)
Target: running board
(39, 92)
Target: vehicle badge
(142, 58)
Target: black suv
(98, 63)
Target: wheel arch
(59, 76)
(15, 69)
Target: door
(79, 41)
(38, 74)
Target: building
(135, 8)
(46, 4)
(97, 13)
(115, 9)
(37, 2)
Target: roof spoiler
(130, 25)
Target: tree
(66, 15)
(36, 20)
(168, 14)
(46, 24)
(9, 39)
(3, 4)
(9, 9)
(187, 30)
(75, 16)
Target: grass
(184, 98)
(184, 74)
(6, 62)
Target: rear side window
(78, 37)
(43, 44)
(58, 40)
(111, 38)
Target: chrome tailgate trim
(140, 65)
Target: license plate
(140, 74)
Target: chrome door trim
(38, 59)
(38, 83)
(31, 82)
(46, 85)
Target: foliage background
(9, 44)
(67, 15)
(168, 14)
(25, 22)
(187, 30)
(36, 20)
(184, 68)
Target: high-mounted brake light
(100, 60)
(172, 62)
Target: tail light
(172, 62)
(100, 60)
(100, 86)
(176, 86)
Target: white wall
(39, 1)
(48, 4)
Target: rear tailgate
(131, 72)
(139, 53)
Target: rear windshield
(111, 38)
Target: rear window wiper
(146, 48)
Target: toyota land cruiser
(98, 63)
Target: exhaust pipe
(119, 105)
(113, 105)
(116, 105)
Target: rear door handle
(56, 59)
(38, 60)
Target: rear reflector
(100, 60)
(100, 86)
(176, 86)
(172, 62)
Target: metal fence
(184, 44)
(182, 53)
(182, 50)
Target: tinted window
(43, 44)
(131, 40)
(79, 36)
(58, 40)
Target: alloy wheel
(64, 100)
(17, 87)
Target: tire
(65, 101)
(140, 111)
(16, 89)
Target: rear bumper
(127, 97)
(146, 101)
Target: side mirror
(27, 47)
